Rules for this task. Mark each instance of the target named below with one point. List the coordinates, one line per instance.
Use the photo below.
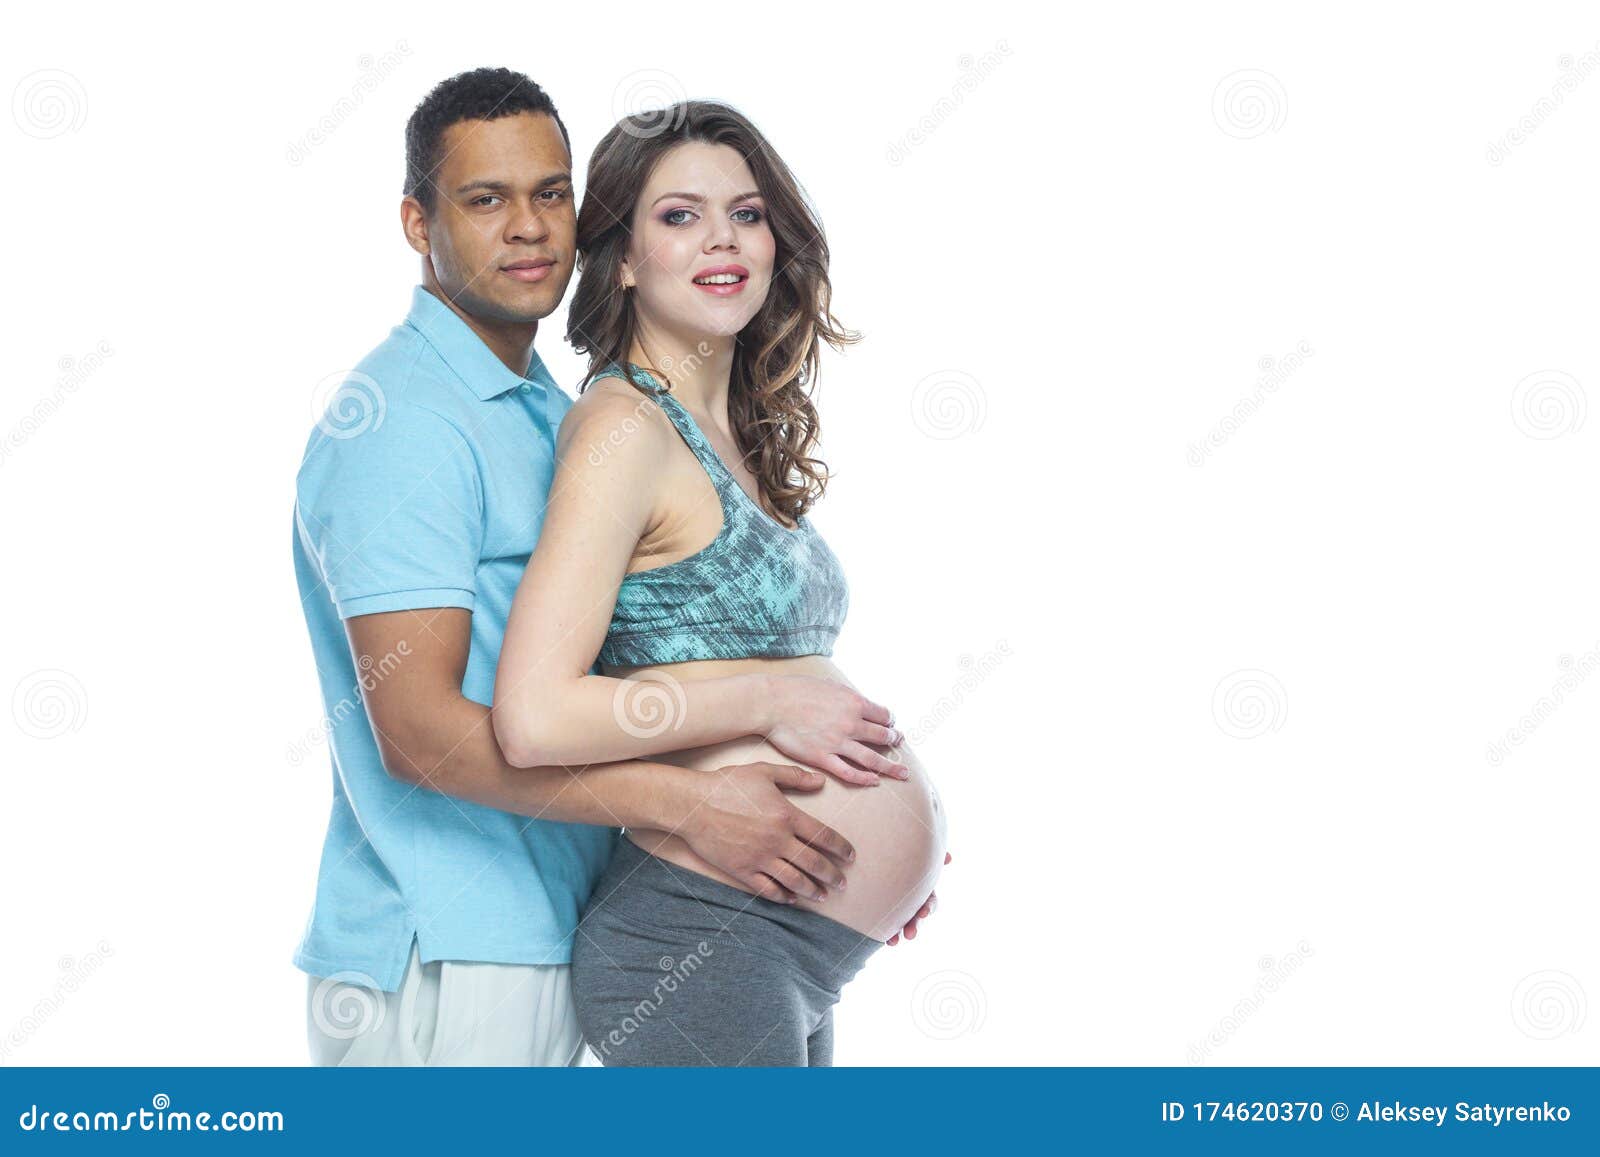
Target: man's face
(502, 236)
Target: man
(451, 882)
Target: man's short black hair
(484, 94)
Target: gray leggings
(670, 967)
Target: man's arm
(432, 736)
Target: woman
(676, 547)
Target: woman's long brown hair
(775, 355)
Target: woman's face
(701, 254)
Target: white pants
(448, 1013)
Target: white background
(1227, 800)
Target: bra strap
(687, 428)
(639, 378)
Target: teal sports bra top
(758, 589)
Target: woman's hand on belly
(827, 725)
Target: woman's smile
(723, 280)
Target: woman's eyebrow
(698, 199)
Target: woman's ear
(627, 275)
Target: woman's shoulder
(613, 420)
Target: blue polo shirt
(424, 485)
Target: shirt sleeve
(393, 517)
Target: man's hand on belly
(743, 825)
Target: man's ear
(414, 223)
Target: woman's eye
(676, 216)
(752, 216)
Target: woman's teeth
(719, 279)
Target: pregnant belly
(897, 828)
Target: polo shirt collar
(464, 352)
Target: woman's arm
(548, 709)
